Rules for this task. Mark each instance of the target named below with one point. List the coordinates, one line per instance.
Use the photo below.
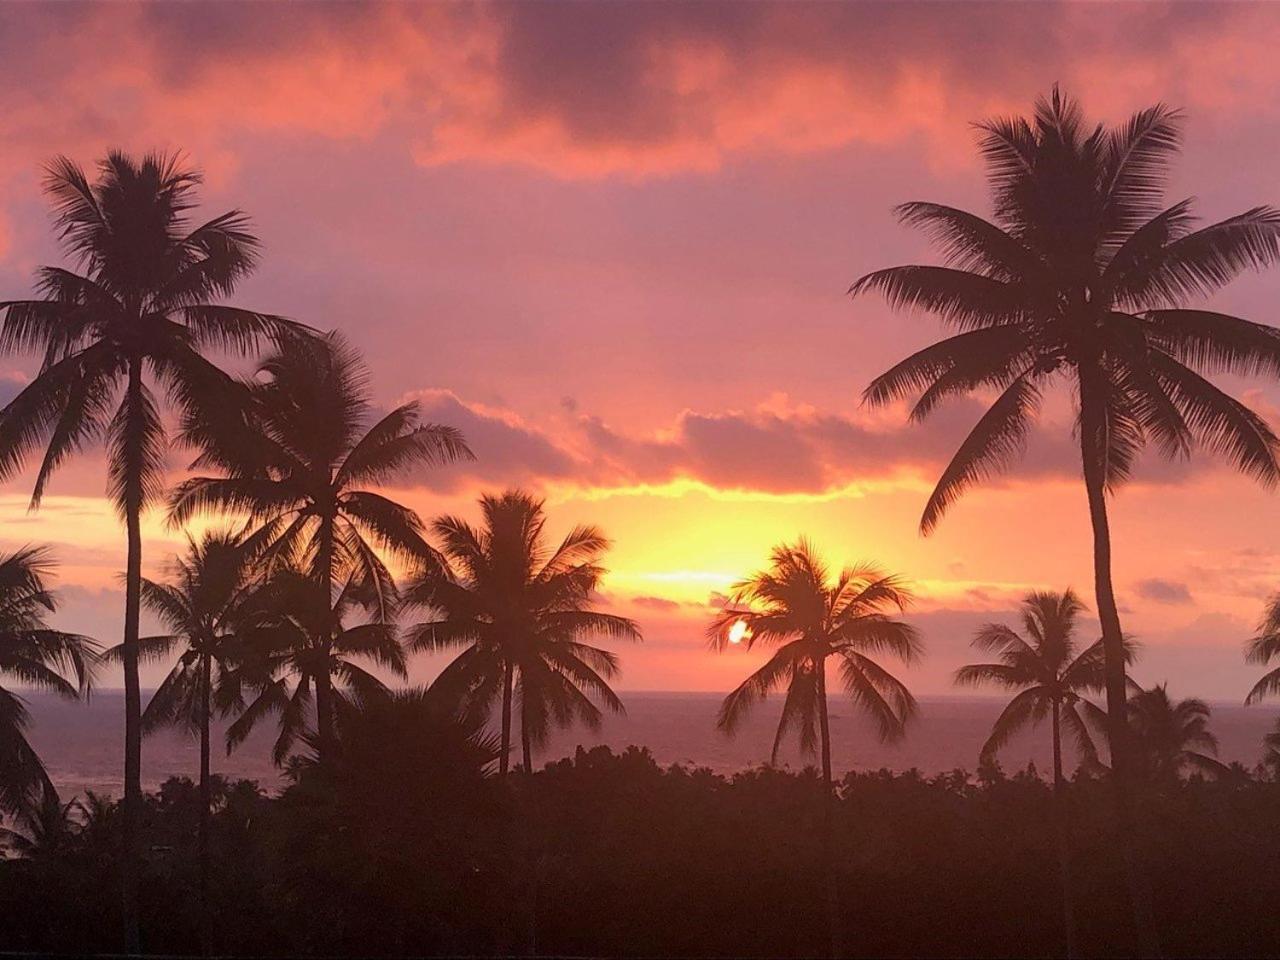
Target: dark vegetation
(408, 849)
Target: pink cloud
(775, 448)
(638, 90)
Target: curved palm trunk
(1092, 448)
(504, 762)
(1062, 822)
(324, 683)
(828, 814)
(132, 820)
(206, 803)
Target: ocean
(81, 743)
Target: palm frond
(880, 694)
(968, 301)
(990, 448)
(1027, 708)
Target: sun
(739, 631)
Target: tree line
(1082, 277)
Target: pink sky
(610, 242)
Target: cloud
(776, 448)
(508, 451)
(657, 603)
(648, 89)
(780, 447)
(637, 90)
(1163, 591)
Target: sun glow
(739, 631)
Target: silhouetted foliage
(34, 655)
(1083, 277)
(1263, 648)
(144, 310)
(1171, 737)
(404, 845)
(1047, 671)
(521, 611)
(299, 456)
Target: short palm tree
(34, 655)
(1084, 277)
(1265, 648)
(299, 460)
(1172, 737)
(302, 639)
(521, 611)
(50, 828)
(1271, 754)
(1049, 671)
(209, 605)
(143, 307)
(797, 606)
(1051, 676)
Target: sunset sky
(611, 244)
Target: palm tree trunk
(206, 803)
(532, 866)
(525, 741)
(504, 762)
(1060, 815)
(1093, 455)
(828, 814)
(132, 820)
(324, 716)
(324, 683)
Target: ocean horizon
(81, 743)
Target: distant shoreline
(81, 742)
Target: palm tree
(1271, 756)
(298, 460)
(406, 739)
(1083, 277)
(810, 617)
(1047, 669)
(302, 637)
(1172, 737)
(38, 656)
(209, 607)
(521, 612)
(1264, 648)
(50, 827)
(142, 307)
(1051, 676)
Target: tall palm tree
(299, 460)
(38, 656)
(209, 605)
(1263, 649)
(521, 611)
(1172, 737)
(1051, 676)
(797, 606)
(1082, 276)
(143, 306)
